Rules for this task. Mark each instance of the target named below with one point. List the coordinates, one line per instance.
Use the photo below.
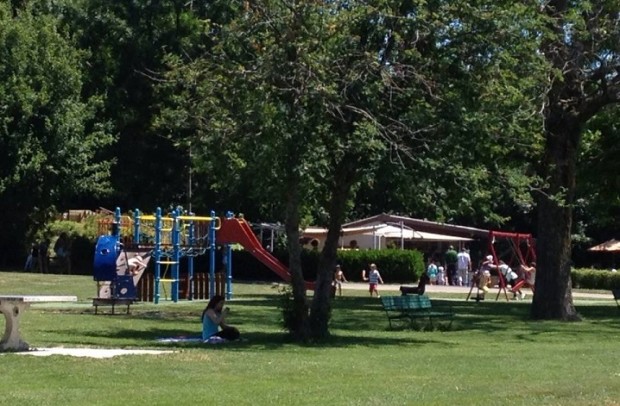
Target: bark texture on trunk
(298, 324)
(553, 296)
(320, 312)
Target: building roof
(420, 225)
(386, 231)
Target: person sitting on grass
(213, 321)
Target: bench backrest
(407, 302)
(413, 302)
(390, 302)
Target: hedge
(396, 266)
(595, 279)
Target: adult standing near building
(450, 259)
(463, 262)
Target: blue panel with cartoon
(107, 251)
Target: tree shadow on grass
(356, 321)
(252, 340)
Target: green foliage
(595, 279)
(293, 311)
(598, 200)
(49, 130)
(395, 266)
(72, 229)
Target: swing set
(517, 250)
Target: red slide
(234, 230)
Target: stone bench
(13, 306)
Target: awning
(608, 246)
(385, 231)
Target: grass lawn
(492, 355)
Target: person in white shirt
(463, 263)
(374, 278)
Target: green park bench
(413, 308)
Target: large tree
(49, 132)
(305, 102)
(581, 41)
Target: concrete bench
(13, 306)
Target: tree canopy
(49, 131)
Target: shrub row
(396, 266)
(595, 279)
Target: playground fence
(200, 287)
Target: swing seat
(518, 285)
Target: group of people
(516, 279)
(454, 270)
(38, 257)
(373, 277)
(457, 270)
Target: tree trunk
(298, 319)
(321, 304)
(553, 296)
(320, 312)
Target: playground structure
(516, 250)
(168, 239)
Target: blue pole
(176, 255)
(212, 256)
(157, 255)
(116, 231)
(228, 259)
(190, 259)
(136, 226)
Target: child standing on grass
(374, 278)
(339, 278)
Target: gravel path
(394, 288)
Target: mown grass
(492, 355)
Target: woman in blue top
(213, 319)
